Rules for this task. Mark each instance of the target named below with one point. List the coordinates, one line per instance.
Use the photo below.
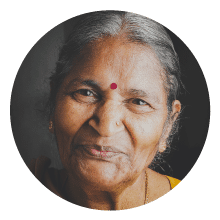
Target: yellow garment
(173, 181)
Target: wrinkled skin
(87, 112)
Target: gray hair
(135, 28)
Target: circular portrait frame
(193, 168)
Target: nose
(107, 119)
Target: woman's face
(107, 137)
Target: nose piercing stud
(117, 123)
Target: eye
(85, 92)
(139, 106)
(85, 96)
(139, 102)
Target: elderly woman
(113, 110)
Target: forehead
(120, 55)
(114, 60)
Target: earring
(117, 123)
(50, 125)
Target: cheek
(146, 132)
(70, 116)
(146, 135)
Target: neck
(124, 198)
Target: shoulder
(51, 178)
(39, 167)
(47, 176)
(159, 184)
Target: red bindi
(113, 86)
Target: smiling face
(108, 136)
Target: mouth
(101, 152)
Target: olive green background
(24, 22)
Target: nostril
(105, 127)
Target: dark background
(31, 89)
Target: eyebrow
(137, 92)
(87, 82)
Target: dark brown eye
(139, 102)
(85, 92)
(139, 106)
(85, 96)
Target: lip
(97, 151)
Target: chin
(102, 175)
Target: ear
(51, 126)
(176, 108)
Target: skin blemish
(113, 86)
